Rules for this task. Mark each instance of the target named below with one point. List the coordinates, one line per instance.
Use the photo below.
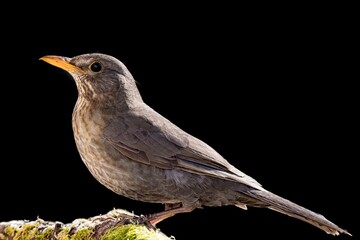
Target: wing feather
(151, 139)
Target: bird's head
(98, 77)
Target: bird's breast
(98, 156)
(88, 127)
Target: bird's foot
(150, 220)
(146, 220)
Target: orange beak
(61, 62)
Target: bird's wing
(147, 137)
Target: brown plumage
(134, 151)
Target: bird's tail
(279, 204)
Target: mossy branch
(115, 225)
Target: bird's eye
(95, 67)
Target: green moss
(81, 234)
(27, 232)
(64, 234)
(9, 231)
(30, 232)
(45, 234)
(133, 232)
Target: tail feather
(279, 204)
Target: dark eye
(95, 67)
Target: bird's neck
(121, 101)
(128, 99)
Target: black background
(275, 93)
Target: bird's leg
(170, 210)
(169, 206)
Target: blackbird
(136, 152)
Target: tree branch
(116, 224)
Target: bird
(136, 152)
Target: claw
(147, 221)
